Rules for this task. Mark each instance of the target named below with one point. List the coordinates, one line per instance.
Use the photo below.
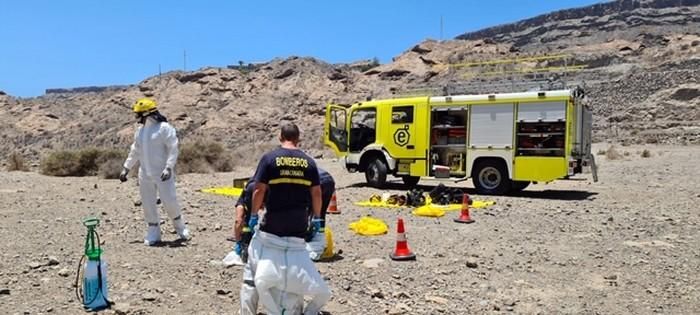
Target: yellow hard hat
(145, 106)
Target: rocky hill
(641, 64)
(626, 18)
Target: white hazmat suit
(156, 148)
(279, 274)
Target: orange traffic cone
(464, 214)
(333, 206)
(401, 252)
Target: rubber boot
(182, 231)
(152, 235)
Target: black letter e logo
(401, 136)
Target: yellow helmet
(145, 106)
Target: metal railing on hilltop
(522, 74)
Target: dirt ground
(629, 244)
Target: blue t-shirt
(246, 198)
(290, 174)
(325, 178)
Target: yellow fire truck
(503, 142)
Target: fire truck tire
(519, 185)
(375, 174)
(490, 177)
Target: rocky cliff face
(641, 59)
(626, 18)
(635, 56)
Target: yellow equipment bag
(224, 191)
(369, 226)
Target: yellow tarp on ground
(476, 204)
(224, 191)
(379, 204)
(369, 226)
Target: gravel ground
(629, 244)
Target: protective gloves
(167, 173)
(316, 226)
(122, 175)
(252, 222)
(238, 248)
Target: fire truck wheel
(376, 173)
(491, 178)
(519, 185)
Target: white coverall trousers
(280, 273)
(166, 191)
(155, 147)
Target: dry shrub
(62, 163)
(612, 154)
(15, 162)
(646, 153)
(249, 154)
(87, 158)
(601, 152)
(110, 169)
(84, 162)
(110, 163)
(204, 157)
(195, 157)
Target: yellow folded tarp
(369, 226)
(224, 191)
(434, 210)
(429, 211)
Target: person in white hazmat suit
(279, 268)
(155, 147)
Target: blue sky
(50, 44)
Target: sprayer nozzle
(91, 222)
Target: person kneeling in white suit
(315, 243)
(155, 147)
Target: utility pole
(184, 60)
(441, 27)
